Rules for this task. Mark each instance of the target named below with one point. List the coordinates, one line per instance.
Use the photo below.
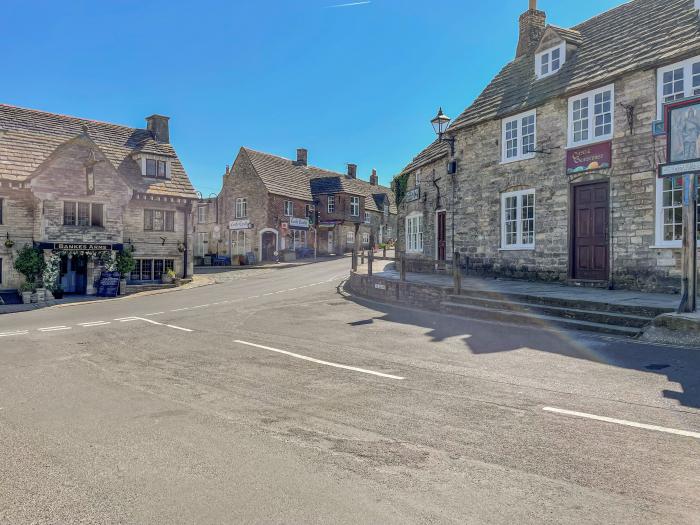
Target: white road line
(156, 313)
(54, 328)
(181, 309)
(151, 321)
(178, 328)
(94, 323)
(266, 294)
(319, 361)
(125, 319)
(19, 332)
(623, 422)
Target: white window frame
(298, 239)
(519, 127)
(368, 218)
(365, 238)
(202, 214)
(241, 208)
(545, 58)
(350, 237)
(519, 244)
(354, 206)
(417, 177)
(688, 91)
(289, 208)
(414, 232)
(659, 222)
(331, 204)
(592, 138)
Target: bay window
(518, 220)
(414, 232)
(591, 117)
(519, 137)
(355, 206)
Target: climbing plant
(52, 272)
(400, 187)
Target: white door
(330, 241)
(201, 243)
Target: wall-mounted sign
(243, 224)
(69, 247)
(327, 224)
(683, 129)
(298, 224)
(589, 158)
(413, 195)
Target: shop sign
(108, 285)
(327, 224)
(298, 224)
(71, 247)
(589, 158)
(413, 195)
(240, 225)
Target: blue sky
(352, 84)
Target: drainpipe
(188, 210)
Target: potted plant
(25, 291)
(51, 275)
(9, 243)
(58, 292)
(30, 263)
(124, 264)
(169, 276)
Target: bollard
(370, 259)
(354, 261)
(456, 274)
(384, 252)
(362, 257)
(403, 267)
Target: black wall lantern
(440, 124)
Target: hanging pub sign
(243, 224)
(108, 285)
(298, 224)
(682, 120)
(589, 158)
(413, 195)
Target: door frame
(572, 229)
(260, 238)
(437, 234)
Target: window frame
(590, 98)
(688, 90)
(330, 205)
(90, 214)
(350, 237)
(167, 264)
(539, 60)
(519, 245)
(354, 206)
(659, 208)
(417, 246)
(365, 238)
(202, 214)
(241, 208)
(518, 119)
(289, 212)
(164, 219)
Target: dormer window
(549, 61)
(153, 166)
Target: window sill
(597, 140)
(517, 249)
(518, 159)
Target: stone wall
(391, 291)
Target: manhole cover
(656, 367)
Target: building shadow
(678, 365)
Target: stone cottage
(81, 188)
(554, 166)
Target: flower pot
(33, 298)
(26, 297)
(166, 279)
(122, 287)
(58, 294)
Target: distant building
(554, 170)
(79, 188)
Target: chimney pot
(158, 126)
(352, 171)
(373, 179)
(302, 157)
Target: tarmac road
(270, 398)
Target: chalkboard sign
(108, 285)
(250, 256)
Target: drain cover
(656, 367)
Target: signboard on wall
(683, 143)
(412, 195)
(298, 224)
(81, 247)
(243, 224)
(589, 158)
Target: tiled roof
(28, 137)
(430, 154)
(637, 35)
(568, 35)
(286, 178)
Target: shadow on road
(679, 365)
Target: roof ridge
(72, 117)
(334, 173)
(604, 13)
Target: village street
(272, 398)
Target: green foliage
(171, 273)
(30, 263)
(52, 272)
(26, 286)
(400, 187)
(124, 262)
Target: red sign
(589, 158)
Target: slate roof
(430, 154)
(637, 35)
(28, 137)
(284, 177)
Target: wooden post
(690, 245)
(457, 273)
(354, 261)
(384, 252)
(403, 266)
(362, 257)
(370, 255)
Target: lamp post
(440, 124)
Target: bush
(125, 262)
(30, 263)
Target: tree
(125, 262)
(30, 263)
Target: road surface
(271, 398)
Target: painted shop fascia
(87, 190)
(522, 212)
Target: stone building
(81, 188)
(268, 205)
(555, 162)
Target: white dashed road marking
(18, 332)
(686, 433)
(94, 323)
(54, 328)
(151, 321)
(319, 361)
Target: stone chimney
(158, 126)
(532, 26)
(373, 179)
(302, 157)
(352, 171)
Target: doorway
(441, 235)
(590, 212)
(73, 273)
(269, 246)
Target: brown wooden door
(442, 235)
(590, 229)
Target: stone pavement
(387, 270)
